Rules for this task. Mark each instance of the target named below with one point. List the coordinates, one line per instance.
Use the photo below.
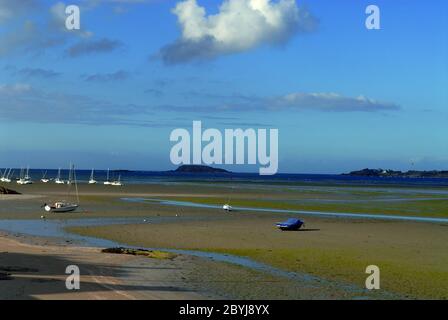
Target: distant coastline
(199, 169)
(398, 174)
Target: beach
(230, 255)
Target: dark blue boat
(290, 224)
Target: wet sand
(413, 257)
(37, 271)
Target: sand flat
(38, 272)
(413, 257)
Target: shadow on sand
(31, 276)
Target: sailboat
(58, 178)
(4, 175)
(25, 179)
(20, 180)
(92, 179)
(44, 178)
(117, 183)
(107, 182)
(64, 206)
(227, 207)
(70, 175)
(7, 178)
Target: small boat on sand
(118, 182)
(107, 182)
(290, 224)
(61, 206)
(92, 179)
(227, 207)
(44, 178)
(25, 179)
(58, 178)
(6, 177)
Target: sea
(149, 177)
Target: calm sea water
(147, 177)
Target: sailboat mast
(76, 184)
(70, 178)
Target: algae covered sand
(413, 257)
(154, 254)
(105, 201)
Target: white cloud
(240, 25)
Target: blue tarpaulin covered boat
(290, 224)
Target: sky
(108, 95)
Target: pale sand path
(38, 272)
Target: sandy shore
(38, 272)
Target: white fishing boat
(65, 206)
(58, 178)
(92, 179)
(107, 182)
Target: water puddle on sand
(302, 212)
(56, 229)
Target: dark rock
(4, 190)
(5, 276)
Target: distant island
(199, 169)
(392, 173)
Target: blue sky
(343, 97)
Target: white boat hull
(227, 207)
(24, 182)
(65, 208)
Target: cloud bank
(331, 102)
(26, 30)
(107, 77)
(93, 46)
(38, 73)
(25, 103)
(292, 102)
(240, 25)
(12, 9)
